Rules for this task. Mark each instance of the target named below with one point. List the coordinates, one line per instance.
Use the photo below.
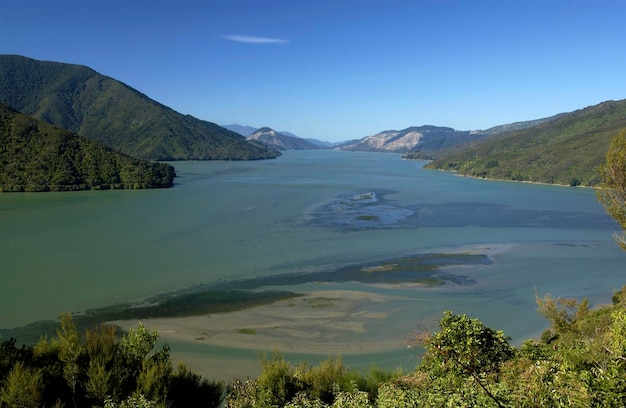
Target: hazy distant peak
(281, 141)
(241, 129)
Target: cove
(324, 232)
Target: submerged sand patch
(324, 322)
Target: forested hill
(78, 98)
(566, 150)
(36, 156)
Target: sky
(341, 69)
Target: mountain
(248, 130)
(79, 99)
(321, 143)
(244, 131)
(37, 156)
(281, 141)
(566, 150)
(519, 125)
(425, 139)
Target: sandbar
(324, 322)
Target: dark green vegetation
(99, 368)
(79, 99)
(566, 150)
(36, 156)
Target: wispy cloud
(251, 39)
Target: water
(307, 213)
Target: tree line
(36, 156)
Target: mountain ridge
(281, 141)
(78, 98)
(425, 138)
(565, 150)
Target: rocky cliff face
(281, 141)
(403, 141)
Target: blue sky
(338, 70)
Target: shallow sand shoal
(320, 322)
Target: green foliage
(278, 379)
(329, 384)
(79, 99)
(563, 314)
(188, 389)
(22, 388)
(246, 394)
(70, 352)
(321, 379)
(612, 190)
(99, 368)
(352, 398)
(465, 344)
(565, 150)
(35, 156)
(136, 345)
(131, 402)
(100, 344)
(391, 395)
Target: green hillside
(36, 156)
(78, 98)
(566, 150)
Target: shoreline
(456, 173)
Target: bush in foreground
(99, 368)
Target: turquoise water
(309, 212)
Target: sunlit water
(308, 212)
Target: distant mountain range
(249, 130)
(281, 141)
(244, 131)
(567, 149)
(426, 139)
(424, 142)
(37, 156)
(79, 99)
(564, 148)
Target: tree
(70, 351)
(22, 388)
(562, 313)
(101, 346)
(612, 190)
(466, 346)
(188, 389)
